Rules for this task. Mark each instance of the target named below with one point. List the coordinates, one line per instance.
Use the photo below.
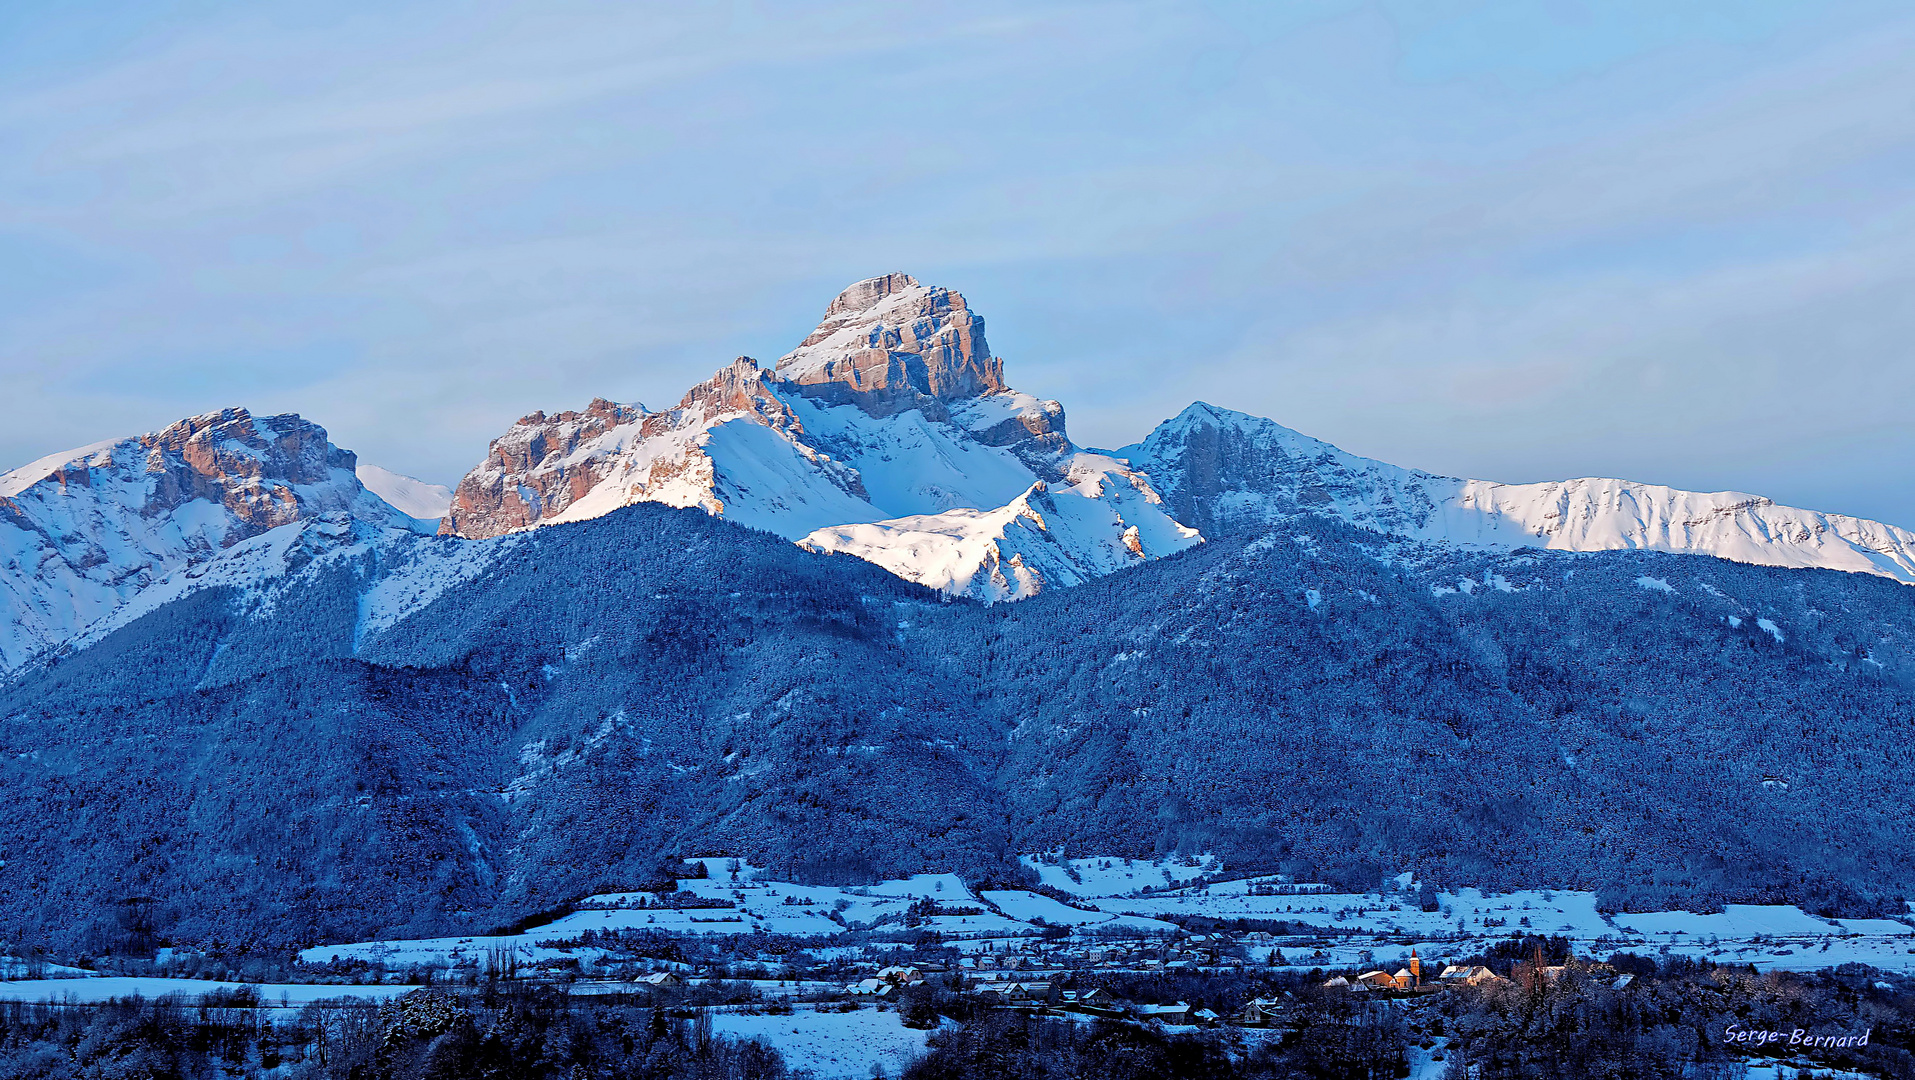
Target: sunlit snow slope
(1226, 472)
(411, 496)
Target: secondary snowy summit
(1227, 472)
(83, 532)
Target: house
(1004, 990)
(1341, 983)
(661, 978)
(901, 975)
(1262, 1012)
(1466, 975)
(1377, 980)
(1015, 991)
(1177, 1013)
(1204, 1017)
(870, 988)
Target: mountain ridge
(1231, 471)
(888, 433)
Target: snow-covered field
(1115, 896)
(833, 1045)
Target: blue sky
(1502, 240)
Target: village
(845, 978)
(1213, 978)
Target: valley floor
(1114, 899)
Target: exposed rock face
(888, 344)
(534, 470)
(577, 465)
(84, 531)
(1225, 472)
(736, 390)
(263, 472)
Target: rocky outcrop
(577, 465)
(262, 472)
(888, 344)
(1226, 473)
(536, 469)
(84, 531)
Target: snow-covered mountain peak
(891, 417)
(263, 471)
(1226, 472)
(1201, 415)
(887, 343)
(85, 531)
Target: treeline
(1675, 1018)
(514, 1033)
(1007, 1045)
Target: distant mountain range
(289, 697)
(888, 433)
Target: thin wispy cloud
(1431, 235)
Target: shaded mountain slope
(658, 682)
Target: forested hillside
(657, 682)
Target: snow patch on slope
(1093, 525)
(24, 477)
(911, 465)
(417, 573)
(410, 496)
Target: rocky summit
(888, 433)
(84, 531)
